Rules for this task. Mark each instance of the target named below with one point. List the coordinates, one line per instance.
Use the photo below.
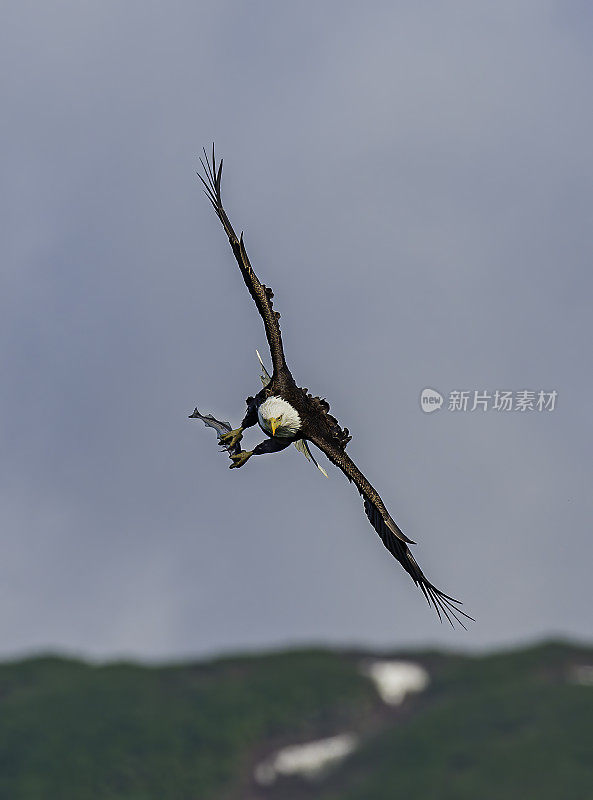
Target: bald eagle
(288, 414)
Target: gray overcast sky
(415, 183)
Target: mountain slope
(510, 725)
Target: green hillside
(511, 725)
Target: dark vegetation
(510, 725)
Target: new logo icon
(430, 400)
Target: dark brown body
(316, 422)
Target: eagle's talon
(240, 458)
(231, 438)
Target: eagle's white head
(278, 418)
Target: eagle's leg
(231, 438)
(271, 445)
(240, 458)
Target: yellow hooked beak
(274, 425)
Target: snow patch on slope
(582, 675)
(395, 679)
(308, 760)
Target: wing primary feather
(209, 169)
(391, 536)
(207, 190)
(444, 605)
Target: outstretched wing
(260, 293)
(391, 535)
